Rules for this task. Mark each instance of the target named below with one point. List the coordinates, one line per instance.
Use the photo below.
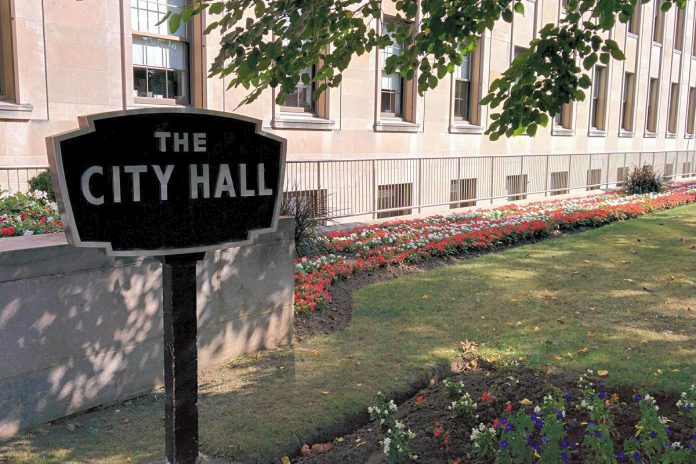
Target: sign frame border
(55, 161)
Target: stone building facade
(66, 58)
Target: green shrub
(643, 180)
(42, 183)
(310, 213)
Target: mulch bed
(423, 410)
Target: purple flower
(621, 456)
(508, 428)
(544, 440)
(636, 456)
(597, 433)
(637, 397)
(564, 443)
(564, 456)
(668, 431)
(653, 435)
(504, 444)
(602, 395)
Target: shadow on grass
(601, 299)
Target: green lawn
(615, 298)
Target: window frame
(628, 104)
(658, 33)
(188, 99)
(598, 103)
(653, 105)
(690, 114)
(402, 98)
(386, 121)
(673, 110)
(633, 25)
(8, 83)
(679, 28)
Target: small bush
(310, 212)
(42, 183)
(643, 180)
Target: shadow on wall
(80, 329)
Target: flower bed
(392, 243)
(28, 214)
(517, 416)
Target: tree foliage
(272, 43)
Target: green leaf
(589, 61)
(617, 54)
(531, 130)
(519, 8)
(604, 58)
(174, 22)
(216, 8)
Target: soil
(423, 410)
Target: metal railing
(376, 188)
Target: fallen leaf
(285, 460)
(630, 281)
(648, 290)
(304, 451)
(321, 447)
(424, 297)
(602, 372)
(536, 328)
(340, 439)
(525, 402)
(583, 350)
(587, 261)
(558, 358)
(324, 392)
(671, 277)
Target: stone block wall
(79, 329)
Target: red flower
(508, 407)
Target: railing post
(546, 181)
(374, 190)
(492, 178)
(608, 164)
(420, 184)
(676, 165)
(570, 174)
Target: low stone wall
(79, 329)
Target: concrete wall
(80, 329)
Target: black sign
(162, 182)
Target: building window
(160, 58)
(673, 109)
(651, 124)
(393, 196)
(690, 116)
(7, 84)
(629, 94)
(669, 171)
(462, 189)
(658, 21)
(516, 187)
(300, 101)
(307, 203)
(564, 119)
(599, 98)
(594, 179)
(559, 183)
(465, 101)
(392, 94)
(621, 174)
(686, 169)
(679, 28)
(634, 21)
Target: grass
(615, 298)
